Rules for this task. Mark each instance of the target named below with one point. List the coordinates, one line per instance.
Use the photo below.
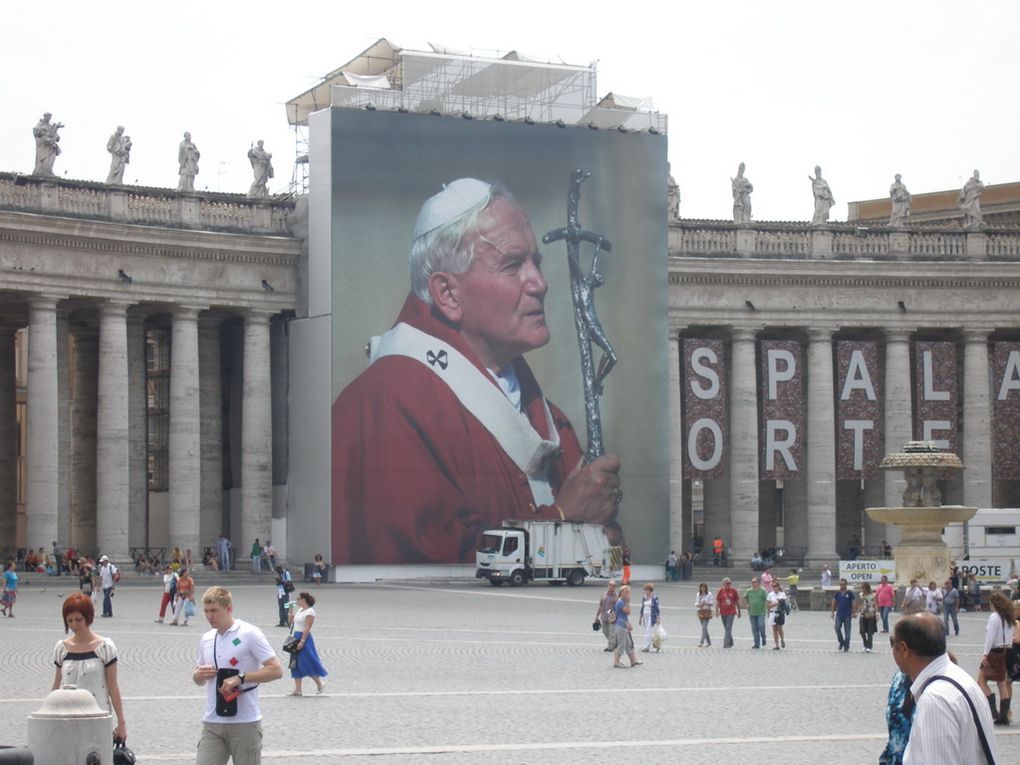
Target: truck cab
(501, 556)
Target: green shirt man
(756, 598)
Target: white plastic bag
(659, 636)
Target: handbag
(596, 625)
(290, 644)
(994, 665)
(122, 755)
(704, 614)
(1013, 661)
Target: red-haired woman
(88, 660)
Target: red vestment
(416, 477)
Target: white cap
(456, 198)
(104, 558)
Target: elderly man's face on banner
(498, 302)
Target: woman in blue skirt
(307, 663)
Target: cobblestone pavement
(463, 673)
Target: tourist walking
(604, 614)
(234, 659)
(727, 606)
(867, 611)
(842, 614)
(284, 587)
(621, 623)
(778, 608)
(951, 725)
(933, 599)
(256, 557)
(826, 575)
(10, 595)
(88, 660)
(756, 598)
(792, 586)
(973, 593)
(950, 605)
(913, 599)
(649, 616)
(318, 569)
(108, 576)
(704, 603)
(169, 592)
(998, 640)
(897, 719)
(184, 601)
(885, 599)
(306, 663)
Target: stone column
(678, 530)
(63, 428)
(821, 442)
(83, 439)
(8, 440)
(185, 452)
(138, 469)
(113, 476)
(744, 473)
(256, 434)
(977, 434)
(898, 413)
(43, 423)
(211, 411)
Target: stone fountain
(921, 553)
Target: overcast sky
(926, 88)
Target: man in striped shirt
(952, 724)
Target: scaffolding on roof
(513, 87)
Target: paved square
(465, 673)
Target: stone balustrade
(148, 206)
(842, 241)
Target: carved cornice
(109, 245)
(838, 281)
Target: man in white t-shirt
(108, 576)
(233, 658)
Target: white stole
(486, 402)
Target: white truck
(545, 551)
(992, 533)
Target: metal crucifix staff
(586, 320)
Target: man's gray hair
(449, 248)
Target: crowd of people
(947, 723)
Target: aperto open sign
(870, 571)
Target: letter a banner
(1006, 411)
(858, 397)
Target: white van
(992, 534)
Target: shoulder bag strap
(973, 711)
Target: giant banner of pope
(456, 380)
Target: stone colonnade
(742, 517)
(106, 428)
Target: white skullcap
(456, 198)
